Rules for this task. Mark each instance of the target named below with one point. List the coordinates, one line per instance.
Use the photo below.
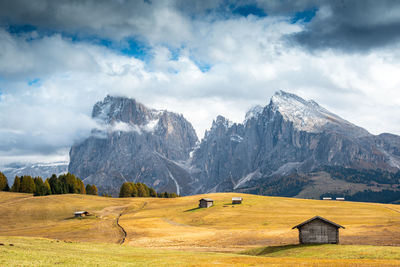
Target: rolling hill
(159, 231)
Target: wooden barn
(81, 213)
(318, 230)
(237, 200)
(205, 203)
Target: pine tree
(91, 190)
(17, 184)
(135, 192)
(153, 192)
(94, 190)
(3, 182)
(80, 187)
(141, 190)
(27, 184)
(126, 190)
(40, 190)
(47, 187)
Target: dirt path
(122, 228)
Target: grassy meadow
(167, 232)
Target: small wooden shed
(81, 213)
(205, 203)
(318, 230)
(237, 200)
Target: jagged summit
(253, 112)
(310, 116)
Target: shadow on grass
(273, 249)
(194, 209)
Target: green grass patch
(328, 251)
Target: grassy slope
(259, 221)
(45, 252)
(154, 224)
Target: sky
(198, 58)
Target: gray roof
(318, 218)
(80, 212)
(236, 198)
(207, 199)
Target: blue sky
(198, 58)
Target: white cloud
(249, 61)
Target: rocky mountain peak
(309, 116)
(253, 112)
(121, 109)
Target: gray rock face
(134, 143)
(283, 143)
(288, 135)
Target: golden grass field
(174, 232)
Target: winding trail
(122, 228)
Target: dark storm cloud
(352, 26)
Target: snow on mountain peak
(309, 116)
(253, 112)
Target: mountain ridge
(286, 141)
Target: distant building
(81, 213)
(340, 198)
(326, 198)
(318, 230)
(237, 200)
(205, 203)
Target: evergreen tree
(94, 190)
(55, 185)
(91, 190)
(141, 190)
(3, 182)
(173, 195)
(153, 192)
(17, 184)
(126, 190)
(80, 187)
(27, 184)
(135, 192)
(47, 187)
(40, 189)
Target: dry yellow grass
(46, 252)
(174, 223)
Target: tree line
(63, 184)
(130, 189)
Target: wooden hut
(318, 230)
(237, 200)
(205, 203)
(81, 213)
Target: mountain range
(290, 147)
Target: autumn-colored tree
(17, 184)
(126, 190)
(80, 186)
(3, 182)
(135, 192)
(91, 190)
(47, 186)
(141, 190)
(27, 184)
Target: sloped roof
(206, 199)
(80, 212)
(237, 198)
(318, 218)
